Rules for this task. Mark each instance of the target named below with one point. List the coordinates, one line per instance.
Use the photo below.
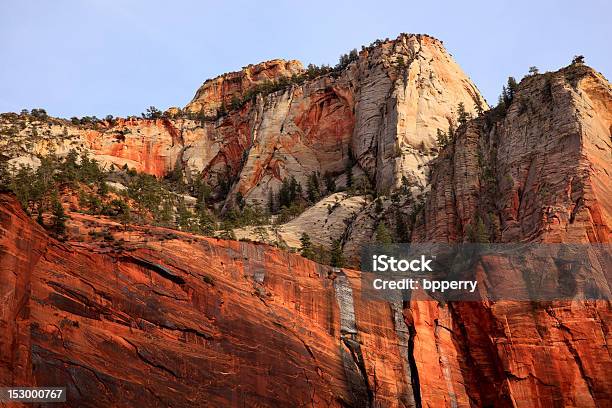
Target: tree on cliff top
(578, 59)
(152, 113)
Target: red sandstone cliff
(183, 321)
(162, 318)
(539, 172)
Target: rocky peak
(410, 87)
(220, 91)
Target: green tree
(102, 188)
(261, 233)
(59, 216)
(441, 139)
(236, 103)
(378, 206)
(578, 59)
(383, 236)
(349, 168)
(5, 175)
(271, 202)
(240, 201)
(39, 218)
(306, 246)
(477, 232)
(478, 107)
(462, 115)
(167, 211)
(401, 228)
(509, 91)
(336, 256)
(312, 189)
(206, 223)
(330, 182)
(152, 113)
(184, 216)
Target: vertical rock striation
(538, 171)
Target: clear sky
(99, 57)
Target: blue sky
(98, 57)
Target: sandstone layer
(385, 108)
(538, 172)
(154, 317)
(220, 91)
(163, 319)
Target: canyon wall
(385, 107)
(537, 172)
(171, 319)
(156, 317)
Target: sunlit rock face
(383, 109)
(220, 91)
(538, 173)
(172, 319)
(160, 318)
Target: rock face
(540, 172)
(157, 318)
(385, 107)
(326, 221)
(188, 321)
(220, 91)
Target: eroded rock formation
(154, 317)
(385, 107)
(164, 319)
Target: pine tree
(336, 256)
(349, 168)
(378, 207)
(240, 200)
(59, 216)
(441, 139)
(39, 217)
(382, 234)
(478, 107)
(462, 115)
(271, 206)
(405, 186)
(166, 213)
(330, 183)
(295, 189)
(206, 223)
(284, 194)
(313, 189)
(102, 188)
(477, 232)
(306, 246)
(401, 228)
(183, 216)
(511, 90)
